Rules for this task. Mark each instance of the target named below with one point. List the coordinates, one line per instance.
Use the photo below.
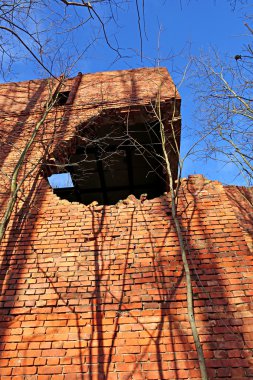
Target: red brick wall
(242, 200)
(98, 292)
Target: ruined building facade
(92, 281)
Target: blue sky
(174, 31)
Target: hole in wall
(111, 162)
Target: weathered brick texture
(99, 292)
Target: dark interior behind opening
(113, 162)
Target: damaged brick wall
(98, 292)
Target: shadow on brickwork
(169, 274)
(241, 198)
(19, 235)
(10, 138)
(122, 297)
(31, 199)
(157, 349)
(95, 357)
(16, 130)
(102, 297)
(15, 255)
(216, 265)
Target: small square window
(61, 98)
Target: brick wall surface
(98, 292)
(242, 200)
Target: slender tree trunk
(190, 304)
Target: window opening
(61, 98)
